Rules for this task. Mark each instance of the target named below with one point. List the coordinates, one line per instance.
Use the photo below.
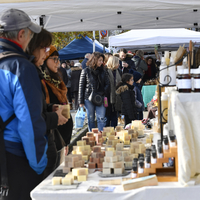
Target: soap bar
(85, 158)
(105, 165)
(114, 159)
(56, 180)
(99, 165)
(140, 182)
(128, 164)
(119, 165)
(90, 134)
(82, 178)
(126, 142)
(79, 171)
(111, 137)
(96, 149)
(95, 130)
(118, 128)
(67, 181)
(118, 170)
(106, 171)
(110, 153)
(81, 143)
(110, 149)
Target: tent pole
(93, 41)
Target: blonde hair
(113, 62)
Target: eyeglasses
(46, 49)
(56, 60)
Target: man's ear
(21, 35)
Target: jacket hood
(122, 89)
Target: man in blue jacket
(21, 94)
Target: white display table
(184, 119)
(164, 191)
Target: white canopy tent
(79, 15)
(148, 38)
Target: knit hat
(136, 76)
(62, 61)
(52, 49)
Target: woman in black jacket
(94, 78)
(125, 89)
(39, 48)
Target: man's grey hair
(13, 34)
(140, 53)
(87, 55)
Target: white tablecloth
(164, 191)
(184, 119)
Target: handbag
(58, 139)
(96, 98)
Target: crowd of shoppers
(37, 88)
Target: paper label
(140, 170)
(192, 83)
(133, 175)
(165, 147)
(160, 155)
(153, 160)
(147, 165)
(196, 84)
(184, 84)
(173, 144)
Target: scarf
(113, 85)
(96, 76)
(58, 88)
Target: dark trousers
(22, 178)
(111, 116)
(69, 97)
(127, 120)
(139, 115)
(76, 100)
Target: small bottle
(134, 170)
(196, 80)
(166, 142)
(172, 141)
(154, 157)
(141, 156)
(148, 160)
(180, 71)
(153, 147)
(141, 167)
(160, 151)
(184, 83)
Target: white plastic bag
(79, 118)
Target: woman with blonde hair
(114, 104)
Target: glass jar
(196, 78)
(184, 82)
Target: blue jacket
(139, 96)
(21, 93)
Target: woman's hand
(61, 119)
(55, 107)
(81, 105)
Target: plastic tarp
(79, 15)
(151, 37)
(79, 47)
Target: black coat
(66, 129)
(128, 100)
(88, 82)
(75, 78)
(63, 75)
(131, 65)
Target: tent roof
(79, 15)
(152, 37)
(78, 48)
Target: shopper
(87, 57)
(126, 64)
(76, 72)
(126, 89)
(39, 47)
(114, 78)
(139, 99)
(21, 94)
(69, 74)
(94, 78)
(56, 94)
(63, 71)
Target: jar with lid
(184, 83)
(196, 78)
